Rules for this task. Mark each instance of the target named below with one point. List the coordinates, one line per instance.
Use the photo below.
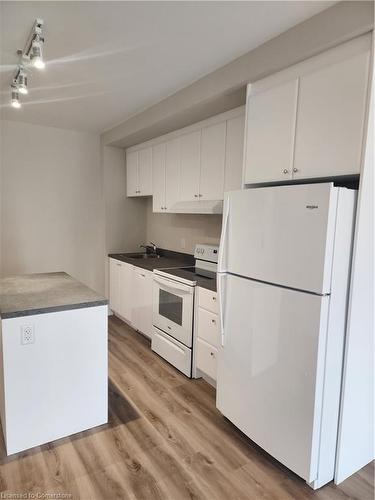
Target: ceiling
(107, 61)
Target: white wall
(125, 218)
(180, 232)
(356, 436)
(51, 203)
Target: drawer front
(172, 351)
(206, 358)
(208, 300)
(208, 326)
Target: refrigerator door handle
(223, 237)
(220, 289)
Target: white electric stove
(173, 307)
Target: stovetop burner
(197, 271)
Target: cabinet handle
(143, 275)
(213, 321)
(214, 299)
(200, 195)
(195, 196)
(212, 354)
(165, 208)
(118, 265)
(295, 170)
(285, 171)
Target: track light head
(15, 101)
(36, 53)
(21, 81)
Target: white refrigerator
(283, 275)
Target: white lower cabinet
(141, 318)
(206, 332)
(120, 288)
(130, 294)
(206, 358)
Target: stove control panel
(206, 252)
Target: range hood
(198, 207)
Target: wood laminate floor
(164, 440)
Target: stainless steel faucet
(151, 248)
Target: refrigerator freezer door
(282, 235)
(271, 368)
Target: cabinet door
(234, 153)
(190, 165)
(212, 162)
(114, 284)
(172, 172)
(330, 121)
(145, 172)
(206, 358)
(158, 178)
(270, 132)
(142, 308)
(125, 291)
(132, 173)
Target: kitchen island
(53, 359)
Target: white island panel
(57, 385)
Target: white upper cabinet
(211, 183)
(158, 178)
(271, 118)
(172, 173)
(308, 121)
(331, 117)
(139, 172)
(166, 175)
(197, 163)
(190, 165)
(234, 153)
(132, 173)
(145, 171)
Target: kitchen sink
(142, 256)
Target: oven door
(173, 309)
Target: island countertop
(32, 294)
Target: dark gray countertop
(167, 260)
(32, 294)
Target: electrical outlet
(27, 334)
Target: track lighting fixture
(21, 80)
(32, 54)
(15, 97)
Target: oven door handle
(173, 286)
